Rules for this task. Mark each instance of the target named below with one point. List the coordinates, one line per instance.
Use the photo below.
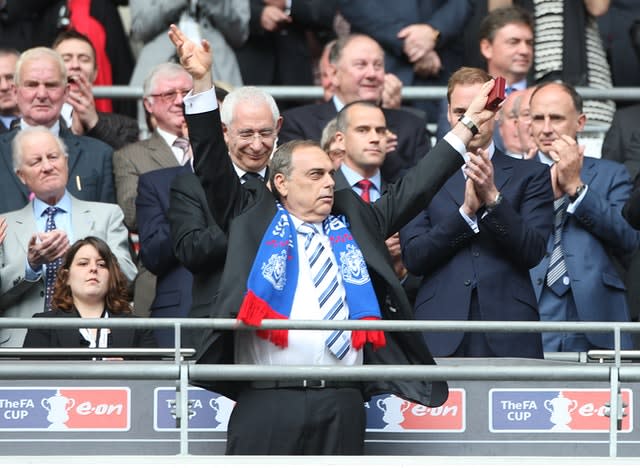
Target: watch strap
(467, 122)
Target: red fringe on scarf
(254, 310)
(375, 337)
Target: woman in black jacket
(90, 285)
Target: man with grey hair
(250, 122)
(41, 86)
(39, 235)
(168, 146)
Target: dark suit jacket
(174, 282)
(199, 244)
(71, 337)
(89, 163)
(116, 130)
(376, 19)
(440, 245)
(411, 282)
(631, 209)
(307, 123)
(622, 141)
(245, 211)
(622, 144)
(283, 57)
(591, 238)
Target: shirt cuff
(571, 208)
(472, 222)
(32, 275)
(457, 145)
(201, 102)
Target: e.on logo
(389, 413)
(98, 408)
(65, 409)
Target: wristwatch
(491, 206)
(467, 122)
(576, 195)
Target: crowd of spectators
(112, 209)
(503, 239)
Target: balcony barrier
(614, 367)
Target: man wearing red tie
(361, 129)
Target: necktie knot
(365, 189)
(247, 176)
(183, 144)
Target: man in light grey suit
(163, 89)
(41, 163)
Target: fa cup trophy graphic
(560, 408)
(58, 406)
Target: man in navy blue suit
(477, 239)
(578, 280)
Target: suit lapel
(25, 226)
(74, 151)
(502, 169)
(588, 172)
(160, 152)
(8, 163)
(82, 219)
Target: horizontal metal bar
(93, 370)
(387, 325)
(246, 372)
(98, 352)
(287, 93)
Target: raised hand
(80, 96)
(471, 202)
(568, 156)
(195, 58)
(391, 92)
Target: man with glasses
(250, 122)
(168, 146)
(41, 89)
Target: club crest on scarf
(272, 282)
(274, 269)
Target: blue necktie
(324, 274)
(52, 267)
(557, 266)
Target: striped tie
(52, 267)
(557, 266)
(324, 274)
(183, 145)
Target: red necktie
(365, 185)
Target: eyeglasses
(336, 153)
(170, 96)
(264, 134)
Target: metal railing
(289, 93)
(614, 372)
